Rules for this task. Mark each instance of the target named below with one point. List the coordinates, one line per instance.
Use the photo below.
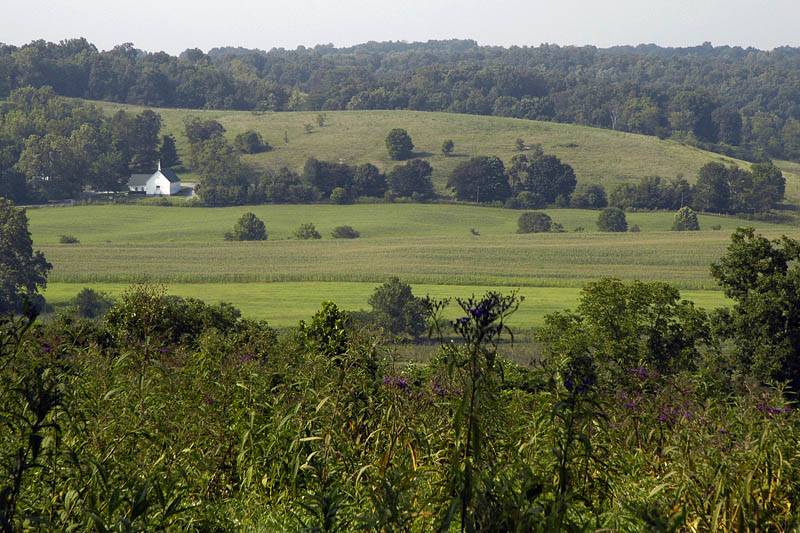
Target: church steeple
(159, 165)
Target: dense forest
(744, 102)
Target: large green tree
(412, 179)
(480, 179)
(397, 310)
(544, 175)
(399, 144)
(762, 277)
(22, 271)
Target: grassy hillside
(597, 155)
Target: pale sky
(174, 25)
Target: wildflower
(640, 372)
(396, 382)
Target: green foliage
(147, 317)
(248, 228)
(397, 310)
(233, 426)
(89, 303)
(251, 142)
(339, 196)
(544, 175)
(763, 278)
(307, 231)
(589, 196)
(413, 178)
(534, 222)
(721, 189)
(328, 332)
(345, 232)
(68, 239)
(685, 220)
(168, 155)
(612, 219)
(447, 147)
(399, 144)
(480, 179)
(625, 326)
(23, 272)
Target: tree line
(52, 148)
(738, 101)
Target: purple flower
(396, 382)
(640, 372)
(47, 348)
(771, 410)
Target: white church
(163, 182)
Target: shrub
(685, 220)
(635, 229)
(447, 147)
(68, 239)
(399, 144)
(534, 222)
(248, 228)
(612, 219)
(397, 310)
(251, 142)
(339, 196)
(345, 232)
(89, 303)
(307, 231)
(716, 227)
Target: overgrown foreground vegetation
(645, 413)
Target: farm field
(597, 155)
(284, 304)
(283, 280)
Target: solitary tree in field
(612, 219)
(399, 144)
(22, 271)
(251, 142)
(248, 228)
(447, 147)
(534, 222)
(685, 220)
(397, 310)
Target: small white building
(163, 182)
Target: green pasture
(285, 304)
(597, 155)
(426, 244)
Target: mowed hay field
(430, 246)
(597, 155)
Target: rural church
(163, 182)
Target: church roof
(170, 175)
